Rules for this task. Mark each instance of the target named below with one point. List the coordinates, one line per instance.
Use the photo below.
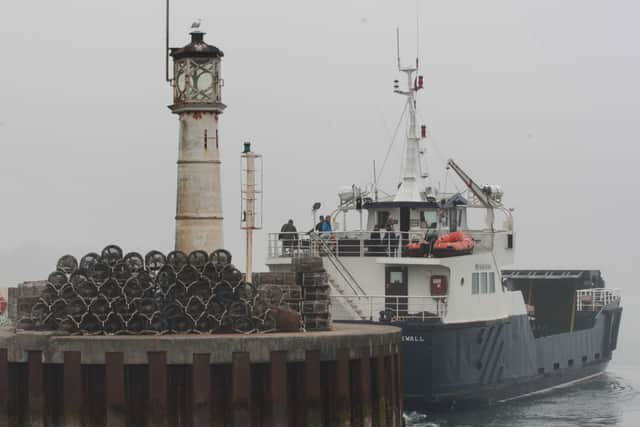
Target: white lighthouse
(197, 102)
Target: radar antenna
(417, 36)
(412, 185)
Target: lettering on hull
(412, 338)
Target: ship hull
(480, 363)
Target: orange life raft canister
(453, 244)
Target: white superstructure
(389, 267)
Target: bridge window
(395, 277)
(428, 218)
(483, 283)
(383, 218)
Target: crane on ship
(490, 196)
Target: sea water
(611, 399)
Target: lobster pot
(128, 294)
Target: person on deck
(374, 244)
(288, 236)
(430, 238)
(390, 239)
(326, 228)
(319, 225)
(326, 225)
(375, 234)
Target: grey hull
(472, 364)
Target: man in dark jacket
(289, 236)
(318, 228)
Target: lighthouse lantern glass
(196, 81)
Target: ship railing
(596, 298)
(359, 243)
(339, 267)
(341, 243)
(391, 308)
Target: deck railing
(342, 243)
(389, 308)
(357, 243)
(596, 298)
(339, 267)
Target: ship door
(396, 290)
(405, 224)
(404, 219)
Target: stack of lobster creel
(113, 293)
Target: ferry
(438, 265)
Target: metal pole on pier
(251, 200)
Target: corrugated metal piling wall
(287, 380)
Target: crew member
(288, 235)
(326, 225)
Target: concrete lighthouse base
(199, 221)
(348, 376)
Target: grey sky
(541, 97)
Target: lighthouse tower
(197, 102)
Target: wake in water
(603, 401)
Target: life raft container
(453, 244)
(415, 249)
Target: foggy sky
(541, 97)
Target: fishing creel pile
(113, 293)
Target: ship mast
(411, 185)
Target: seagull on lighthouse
(196, 25)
